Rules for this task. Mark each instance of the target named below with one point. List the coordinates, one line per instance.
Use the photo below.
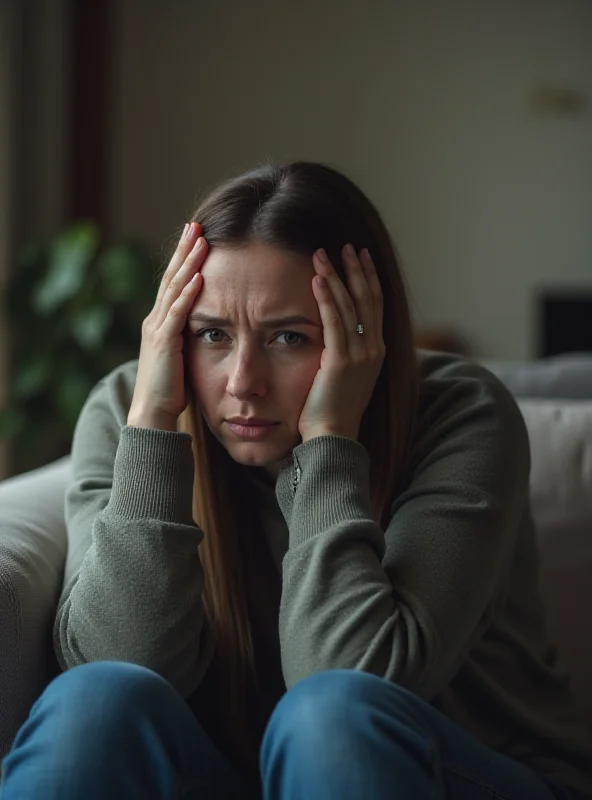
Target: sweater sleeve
(133, 581)
(406, 603)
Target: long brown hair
(297, 207)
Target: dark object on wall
(75, 311)
(564, 322)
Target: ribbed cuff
(153, 476)
(325, 483)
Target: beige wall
(44, 117)
(33, 141)
(426, 104)
(9, 25)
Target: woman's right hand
(160, 393)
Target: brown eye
(201, 335)
(300, 338)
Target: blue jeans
(116, 730)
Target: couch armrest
(33, 547)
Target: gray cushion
(566, 376)
(560, 434)
(32, 555)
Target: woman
(302, 561)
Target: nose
(247, 375)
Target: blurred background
(468, 123)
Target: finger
(188, 269)
(188, 238)
(341, 296)
(361, 295)
(333, 332)
(190, 235)
(176, 318)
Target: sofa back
(555, 397)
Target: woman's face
(245, 358)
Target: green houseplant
(75, 311)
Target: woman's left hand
(350, 362)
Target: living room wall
(33, 141)
(430, 106)
(7, 25)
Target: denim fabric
(116, 730)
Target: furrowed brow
(278, 322)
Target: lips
(256, 422)
(251, 431)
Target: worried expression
(254, 344)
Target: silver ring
(360, 329)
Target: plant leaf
(90, 325)
(70, 257)
(12, 422)
(32, 375)
(127, 271)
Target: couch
(555, 397)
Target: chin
(258, 454)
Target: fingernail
(349, 250)
(184, 231)
(322, 255)
(366, 254)
(198, 244)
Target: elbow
(181, 661)
(65, 643)
(404, 650)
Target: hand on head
(160, 394)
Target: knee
(335, 705)
(96, 716)
(105, 690)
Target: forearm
(337, 605)
(138, 593)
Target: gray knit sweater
(444, 601)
